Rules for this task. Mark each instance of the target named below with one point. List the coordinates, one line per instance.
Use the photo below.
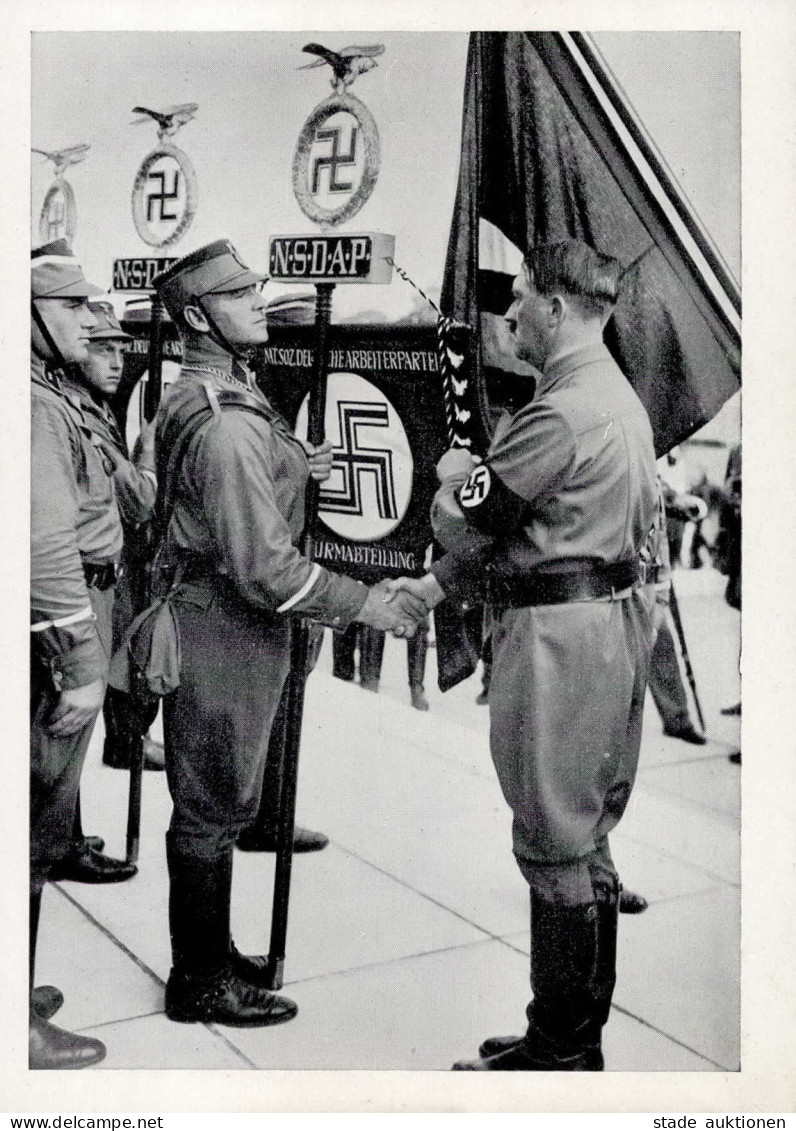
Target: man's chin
(78, 354)
(251, 342)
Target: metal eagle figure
(63, 158)
(347, 64)
(168, 120)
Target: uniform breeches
(56, 763)
(566, 704)
(217, 723)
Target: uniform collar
(562, 367)
(41, 373)
(207, 354)
(91, 407)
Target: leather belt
(101, 576)
(588, 582)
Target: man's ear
(557, 310)
(195, 318)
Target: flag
(544, 157)
(550, 150)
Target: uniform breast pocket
(99, 474)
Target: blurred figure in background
(665, 677)
(728, 549)
(370, 643)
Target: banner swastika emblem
(356, 460)
(476, 489)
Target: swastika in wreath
(164, 199)
(57, 219)
(161, 197)
(357, 460)
(334, 160)
(476, 489)
(54, 218)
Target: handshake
(401, 606)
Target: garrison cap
(210, 270)
(55, 273)
(107, 327)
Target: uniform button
(607, 754)
(465, 606)
(336, 620)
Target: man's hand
(146, 437)
(320, 459)
(426, 589)
(399, 616)
(455, 463)
(76, 709)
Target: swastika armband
(488, 504)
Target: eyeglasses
(245, 292)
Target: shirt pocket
(99, 473)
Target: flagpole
(151, 398)
(299, 652)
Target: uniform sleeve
(529, 458)
(233, 474)
(62, 623)
(136, 486)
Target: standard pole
(153, 385)
(689, 671)
(299, 650)
(152, 391)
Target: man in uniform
(231, 485)
(89, 385)
(558, 513)
(76, 538)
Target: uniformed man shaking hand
(231, 486)
(558, 513)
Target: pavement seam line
(146, 969)
(416, 891)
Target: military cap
(210, 270)
(107, 327)
(55, 273)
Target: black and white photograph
(385, 561)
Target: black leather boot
(261, 839)
(569, 988)
(52, 1048)
(48, 1046)
(205, 984)
(45, 1001)
(607, 899)
(84, 865)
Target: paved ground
(408, 936)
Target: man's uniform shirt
(568, 477)
(134, 482)
(239, 504)
(74, 519)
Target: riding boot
(606, 895)
(205, 984)
(50, 1047)
(261, 834)
(570, 989)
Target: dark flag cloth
(550, 151)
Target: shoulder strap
(165, 507)
(216, 404)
